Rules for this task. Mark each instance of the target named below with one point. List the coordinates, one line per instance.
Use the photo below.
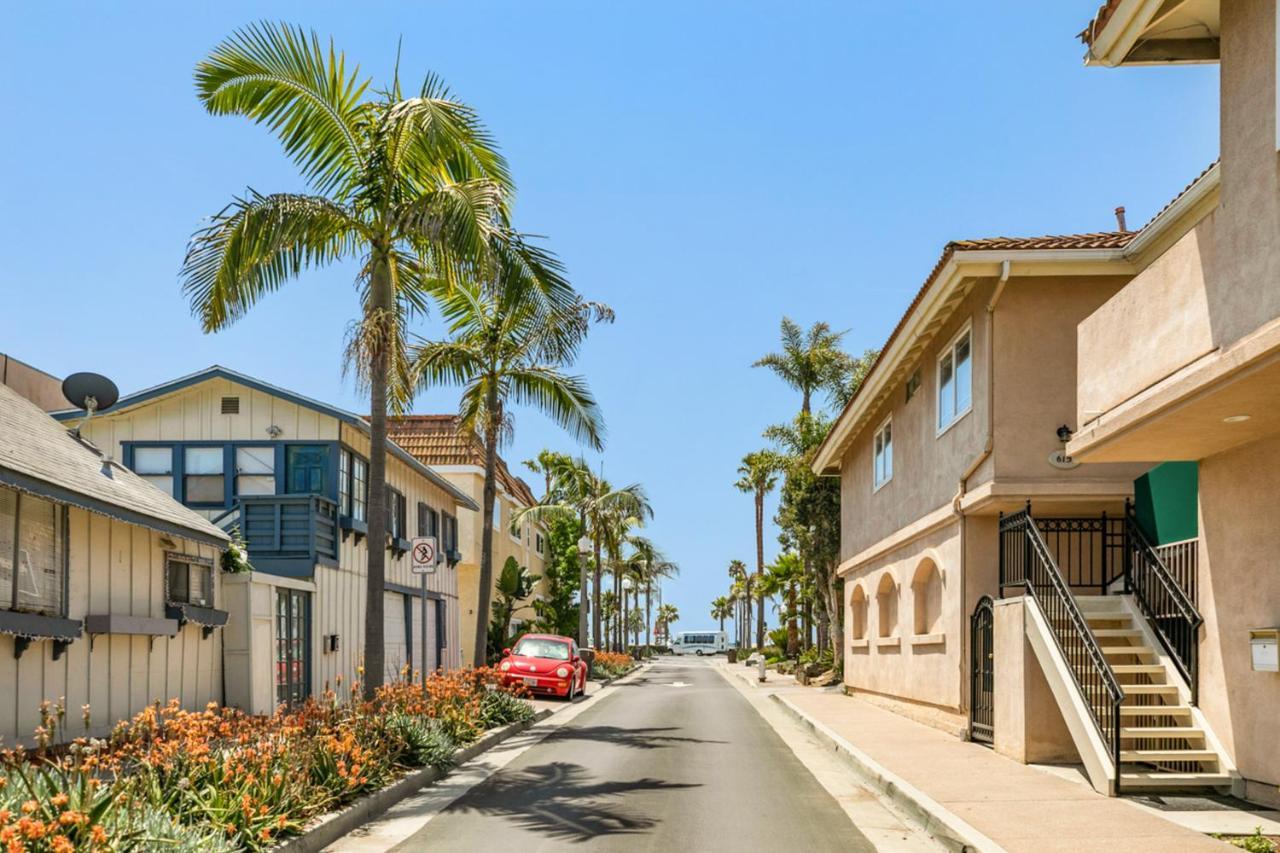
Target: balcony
(286, 535)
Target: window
(428, 521)
(913, 384)
(255, 470)
(955, 380)
(155, 465)
(33, 559)
(306, 469)
(293, 646)
(497, 513)
(448, 533)
(883, 455)
(887, 606)
(926, 591)
(344, 482)
(189, 581)
(540, 543)
(359, 489)
(858, 613)
(395, 514)
(203, 479)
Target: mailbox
(1264, 643)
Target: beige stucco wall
(37, 386)
(118, 569)
(1035, 376)
(1028, 724)
(926, 466)
(1151, 329)
(1240, 590)
(470, 480)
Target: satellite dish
(90, 391)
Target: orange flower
(60, 799)
(98, 834)
(62, 844)
(29, 806)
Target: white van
(699, 642)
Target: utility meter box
(1264, 643)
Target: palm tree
(515, 584)
(646, 565)
(758, 474)
(411, 188)
(810, 361)
(722, 609)
(667, 615)
(504, 349)
(741, 592)
(784, 577)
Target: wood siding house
(110, 595)
(290, 474)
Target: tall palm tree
(505, 350)
(667, 615)
(647, 565)
(409, 187)
(810, 360)
(783, 577)
(722, 609)
(758, 474)
(741, 592)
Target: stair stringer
(1094, 752)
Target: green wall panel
(1166, 501)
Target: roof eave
(960, 265)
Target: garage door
(395, 637)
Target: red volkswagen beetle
(545, 664)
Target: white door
(394, 641)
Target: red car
(545, 664)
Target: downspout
(987, 447)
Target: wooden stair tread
(1137, 668)
(1150, 689)
(1155, 711)
(1126, 650)
(1168, 755)
(1142, 732)
(1157, 779)
(1117, 632)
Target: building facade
(434, 440)
(110, 593)
(1181, 368)
(290, 475)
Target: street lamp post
(584, 551)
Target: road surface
(673, 760)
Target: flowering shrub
(612, 664)
(220, 779)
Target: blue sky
(703, 167)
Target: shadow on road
(634, 738)
(564, 801)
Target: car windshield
(532, 647)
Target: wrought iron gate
(981, 673)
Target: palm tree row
(610, 519)
(410, 189)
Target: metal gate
(981, 673)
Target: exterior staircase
(1164, 743)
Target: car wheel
(698, 652)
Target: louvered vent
(230, 405)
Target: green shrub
(500, 708)
(1256, 843)
(424, 741)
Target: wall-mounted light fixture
(274, 431)
(331, 642)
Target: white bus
(699, 642)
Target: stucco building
(435, 440)
(291, 475)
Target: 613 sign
(425, 555)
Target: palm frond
(283, 77)
(254, 245)
(565, 399)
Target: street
(674, 759)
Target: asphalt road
(672, 760)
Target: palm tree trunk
(493, 418)
(376, 570)
(793, 636)
(615, 637)
(760, 567)
(597, 574)
(584, 587)
(648, 614)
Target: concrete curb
(934, 818)
(330, 827)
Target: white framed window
(203, 475)
(882, 455)
(359, 489)
(955, 379)
(155, 465)
(190, 580)
(256, 470)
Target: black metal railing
(1026, 560)
(1168, 608)
(1089, 552)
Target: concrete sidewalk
(967, 795)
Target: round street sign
(424, 555)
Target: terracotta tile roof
(435, 440)
(1099, 22)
